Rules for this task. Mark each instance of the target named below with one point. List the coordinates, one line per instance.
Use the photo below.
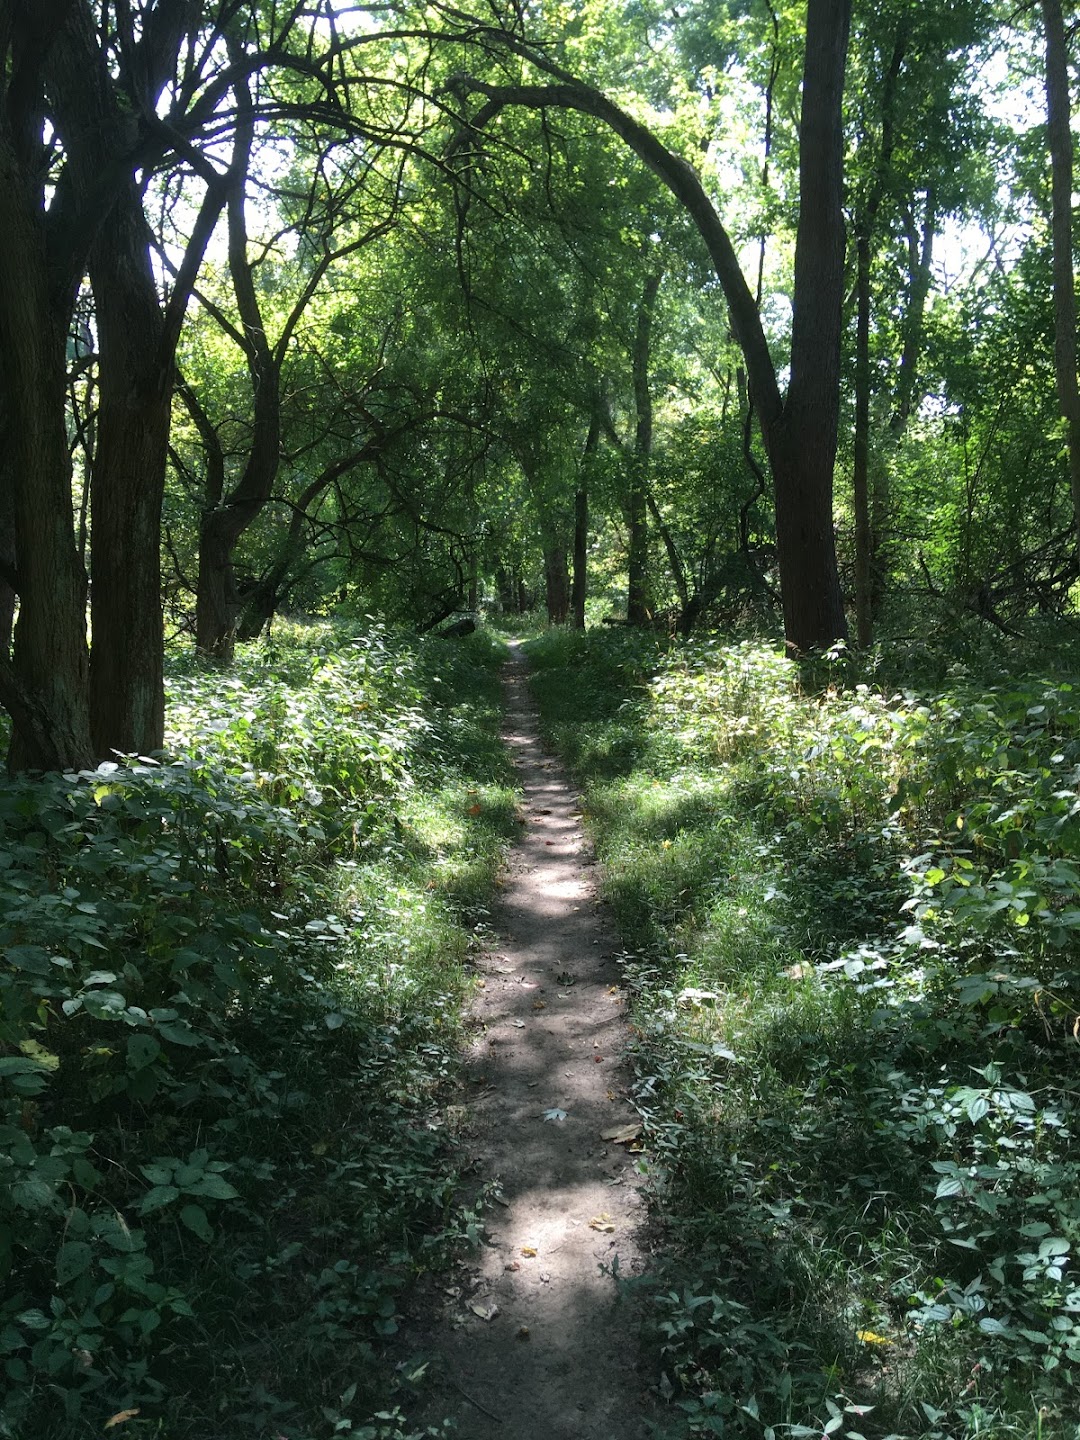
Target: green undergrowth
(850, 905)
(229, 1005)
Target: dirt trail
(557, 1359)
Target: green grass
(849, 920)
(229, 1015)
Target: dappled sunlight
(548, 1093)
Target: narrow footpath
(534, 1343)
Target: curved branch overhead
(681, 179)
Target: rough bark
(127, 485)
(802, 448)
(1061, 172)
(43, 685)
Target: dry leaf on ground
(622, 1134)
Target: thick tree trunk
(802, 447)
(44, 685)
(1061, 169)
(217, 603)
(127, 697)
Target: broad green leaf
(158, 1197)
(194, 1217)
(72, 1260)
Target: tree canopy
(411, 307)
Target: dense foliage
(230, 1001)
(849, 914)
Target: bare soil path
(533, 1342)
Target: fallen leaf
(556, 1114)
(539, 1004)
(519, 1024)
(120, 1417)
(484, 1309)
(475, 810)
(529, 1251)
(603, 1223)
(622, 1134)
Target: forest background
(717, 318)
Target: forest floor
(532, 1338)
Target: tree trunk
(802, 447)
(687, 610)
(217, 603)
(863, 559)
(638, 598)
(581, 558)
(579, 588)
(557, 578)
(1061, 169)
(504, 584)
(127, 695)
(44, 685)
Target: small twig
(482, 1408)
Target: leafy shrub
(849, 914)
(228, 1001)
